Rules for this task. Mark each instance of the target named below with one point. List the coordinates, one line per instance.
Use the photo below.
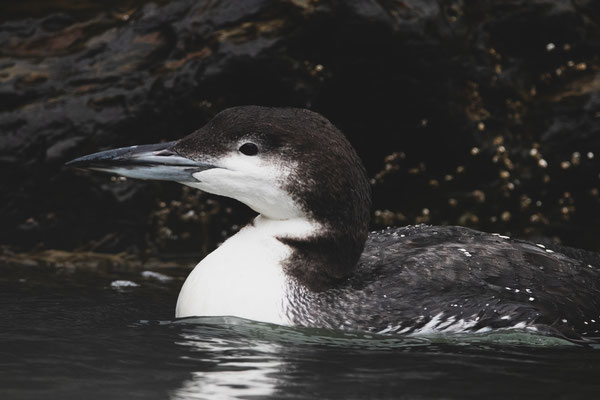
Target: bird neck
(340, 207)
(317, 254)
(319, 261)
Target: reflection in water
(81, 342)
(236, 358)
(238, 367)
(235, 376)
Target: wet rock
(431, 79)
(84, 261)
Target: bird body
(308, 259)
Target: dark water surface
(73, 336)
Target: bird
(308, 258)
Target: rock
(99, 263)
(431, 79)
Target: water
(70, 335)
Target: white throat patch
(252, 180)
(244, 277)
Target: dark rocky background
(483, 113)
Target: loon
(308, 258)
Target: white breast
(244, 276)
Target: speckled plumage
(451, 279)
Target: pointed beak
(152, 161)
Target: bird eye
(249, 149)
